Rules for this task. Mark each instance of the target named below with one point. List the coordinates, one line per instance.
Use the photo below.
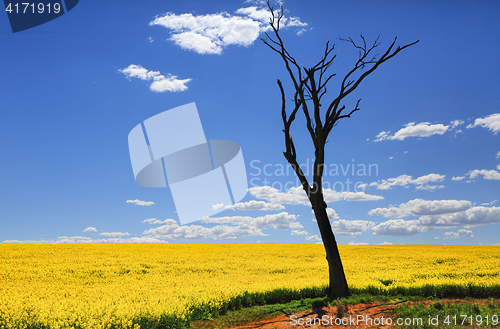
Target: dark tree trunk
(337, 282)
(310, 87)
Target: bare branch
(348, 85)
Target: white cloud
(419, 207)
(217, 206)
(141, 203)
(239, 227)
(398, 227)
(405, 180)
(297, 232)
(458, 178)
(114, 234)
(259, 14)
(352, 243)
(492, 122)
(211, 33)
(160, 83)
(428, 178)
(463, 233)
(456, 123)
(313, 238)
(331, 195)
(429, 187)
(256, 205)
(487, 174)
(169, 83)
(384, 184)
(423, 129)
(90, 229)
(331, 213)
(137, 71)
(296, 195)
(196, 232)
(498, 156)
(471, 217)
(351, 227)
(154, 221)
(83, 239)
(281, 221)
(73, 239)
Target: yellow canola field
(95, 285)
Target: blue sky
(426, 136)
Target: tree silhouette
(310, 87)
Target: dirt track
(378, 313)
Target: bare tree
(310, 87)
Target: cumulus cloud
(154, 221)
(498, 156)
(458, 178)
(211, 33)
(491, 122)
(423, 129)
(239, 227)
(83, 239)
(114, 234)
(471, 217)
(296, 195)
(173, 231)
(297, 232)
(141, 203)
(281, 221)
(217, 206)
(398, 227)
(331, 213)
(256, 205)
(346, 227)
(422, 182)
(160, 82)
(456, 123)
(420, 207)
(90, 229)
(429, 187)
(314, 238)
(352, 243)
(463, 233)
(487, 174)
(351, 227)
(331, 195)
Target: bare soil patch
(374, 310)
